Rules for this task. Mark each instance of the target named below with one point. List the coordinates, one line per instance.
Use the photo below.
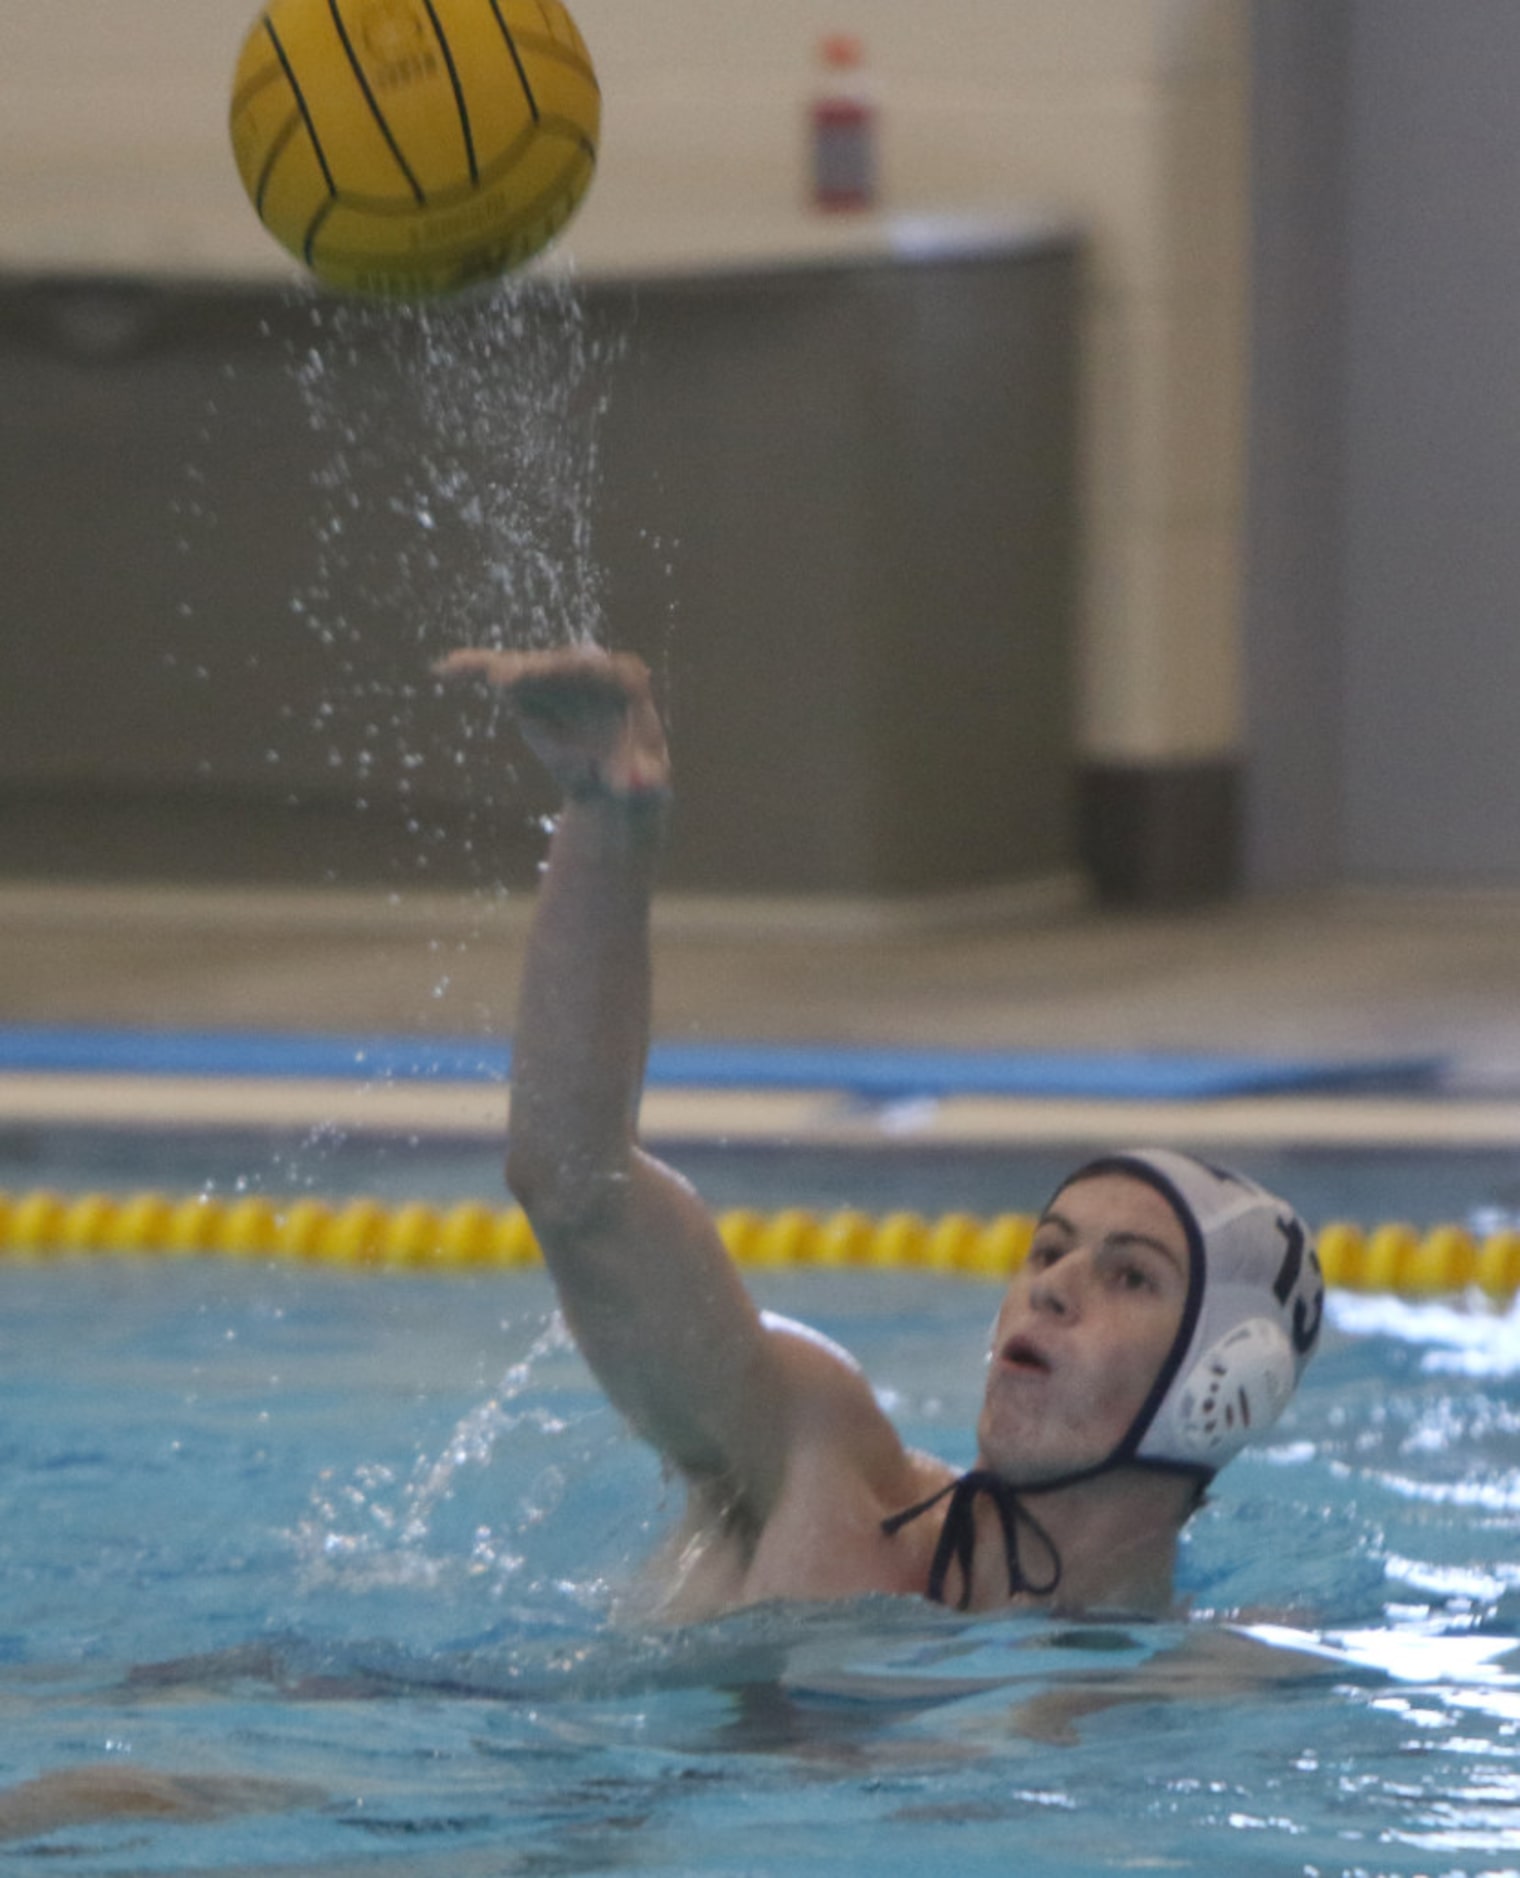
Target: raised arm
(646, 1284)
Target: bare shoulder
(834, 1412)
(843, 1468)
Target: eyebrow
(1120, 1239)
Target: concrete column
(1161, 713)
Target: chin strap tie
(957, 1539)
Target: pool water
(375, 1541)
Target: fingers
(500, 668)
(561, 689)
(565, 666)
(468, 659)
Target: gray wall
(1293, 614)
(1433, 443)
(1383, 650)
(834, 505)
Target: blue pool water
(375, 1540)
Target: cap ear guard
(1250, 1323)
(1236, 1389)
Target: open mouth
(1020, 1354)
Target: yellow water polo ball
(414, 147)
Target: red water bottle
(844, 128)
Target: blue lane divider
(868, 1072)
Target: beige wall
(1127, 115)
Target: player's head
(1164, 1316)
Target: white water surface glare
(362, 1554)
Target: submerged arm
(83, 1796)
(1205, 1665)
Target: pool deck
(1350, 977)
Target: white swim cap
(1249, 1324)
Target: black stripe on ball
(247, 92)
(300, 98)
(456, 254)
(313, 229)
(560, 54)
(573, 52)
(572, 133)
(276, 150)
(371, 101)
(464, 111)
(393, 208)
(558, 127)
(522, 75)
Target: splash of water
(480, 419)
(459, 461)
(375, 1530)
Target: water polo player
(1163, 1316)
